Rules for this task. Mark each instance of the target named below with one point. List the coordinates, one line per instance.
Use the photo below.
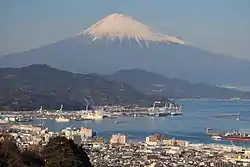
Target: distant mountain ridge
(30, 87)
(120, 42)
(151, 83)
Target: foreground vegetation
(59, 152)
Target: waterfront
(191, 126)
(154, 135)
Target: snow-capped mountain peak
(122, 26)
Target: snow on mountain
(117, 40)
(120, 26)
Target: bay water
(197, 116)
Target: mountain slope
(123, 43)
(151, 83)
(126, 27)
(30, 87)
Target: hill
(120, 42)
(30, 87)
(151, 83)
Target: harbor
(184, 135)
(92, 113)
(195, 114)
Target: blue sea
(191, 126)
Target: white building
(118, 139)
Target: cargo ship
(94, 115)
(237, 136)
(62, 119)
(230, 135)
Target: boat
(92, 116)
(230, 135)
(162, 114)
(23, 119)
(62, 119)
(217, 138)
(95, 115)
(175, 113)
(3, 121)
(78, 119)
(237, 136)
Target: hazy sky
(221, 26)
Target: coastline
(211, 99)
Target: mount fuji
(119, 42)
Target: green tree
(9, 153)
(11, 156)
(61, 152)
(31, 159)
